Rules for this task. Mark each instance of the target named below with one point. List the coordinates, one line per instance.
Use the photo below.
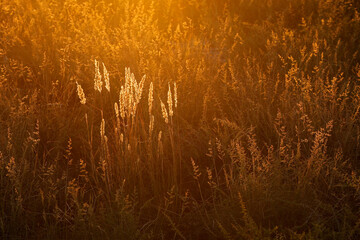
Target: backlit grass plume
(80, 93)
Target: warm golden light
(179, 119)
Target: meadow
(179, 119)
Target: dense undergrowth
(246, 125)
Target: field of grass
(179, 119)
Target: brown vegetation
(177, 119)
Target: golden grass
(249, 130)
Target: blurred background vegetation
(264, 142)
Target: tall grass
(179, 119)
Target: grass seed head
(80, 93)
(151, 97)
(102, 128)
(106, 78)
(170, 102)
(97, 80)
(164, 112)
